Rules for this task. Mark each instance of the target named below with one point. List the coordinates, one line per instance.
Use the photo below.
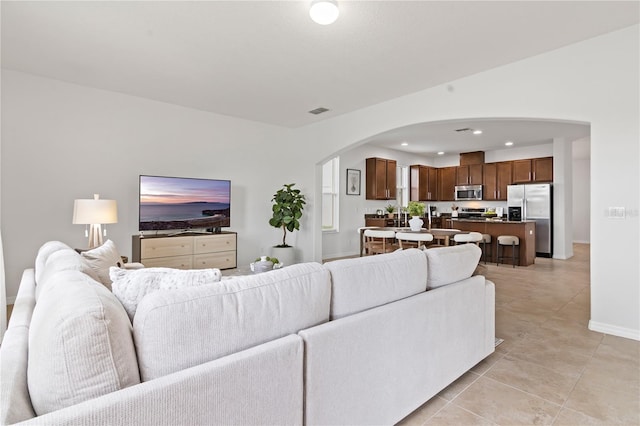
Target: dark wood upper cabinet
(447, 183)
(381, 179)
(533, 170)
(423, 182)
(469, 175)
(496, 178)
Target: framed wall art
(353, 182)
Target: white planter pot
(416, 223)
(285, 255)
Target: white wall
(61, 142)
(580, 82)
(581, 191)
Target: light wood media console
(187, 251)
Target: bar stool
(377, 241)
(486, 239)
(471, 237)
(414, 238)
(508, 240)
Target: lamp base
(95, 236)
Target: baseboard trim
(581, 242)
(614, 330)
(11, 300)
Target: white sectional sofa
(358, 341)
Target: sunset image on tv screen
(184, 203)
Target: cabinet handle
(534, 176)
(494, 194)
(529, 175)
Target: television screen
(184, 203)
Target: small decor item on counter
(454, 210)
(264, 264)
(380, 212)
(416, 210)
(390, 209)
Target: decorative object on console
(288, 204)
(416, 210)
(454, 210)
(264, 264)
(95, 213)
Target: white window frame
(402, 186)
(330, 190)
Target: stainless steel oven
(469, 192)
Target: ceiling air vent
(318, 110)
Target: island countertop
(525, 230)
(485, 220)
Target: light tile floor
(550, 370)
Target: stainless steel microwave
(469, 192)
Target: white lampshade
(96, 211)
(324, 12)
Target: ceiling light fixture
(440, 152)
(477, 132)
(324, 12)
(508, 143)
(404, 143)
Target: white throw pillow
(101, 259)
(80, 344)
(131, 286)
(62, 260)
(43, 254)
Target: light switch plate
(616, 213)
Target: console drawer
(220, 260)
(176, 262)
(214, 243)
(165, 247)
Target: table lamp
(95, 213)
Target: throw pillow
(131, 286)
(43, 254)
(101, 259)
(80, 344)
(62, 260)
(451, 264)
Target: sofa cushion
(43, 254)
(101, 259)
(80, 344)
(131, 286)
(174, 330)
(451, 264)
(63, 260)
(366, 282)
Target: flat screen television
(186, 204)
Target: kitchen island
(524, 230)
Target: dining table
(442, 235)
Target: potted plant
(390, 209)
(416, 210)
(288, 204)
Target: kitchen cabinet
(496, 178)
(447, 183)
(381, 179)
(533, 170)
(469, 175)
(423, 183)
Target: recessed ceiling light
(477, 132)
(508, 143)
(440, 152)
(404, 143)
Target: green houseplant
(288, 204)
(415, 208)
(390, 209)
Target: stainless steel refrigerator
(534, 202)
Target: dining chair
(377, 241)
(413, 239)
